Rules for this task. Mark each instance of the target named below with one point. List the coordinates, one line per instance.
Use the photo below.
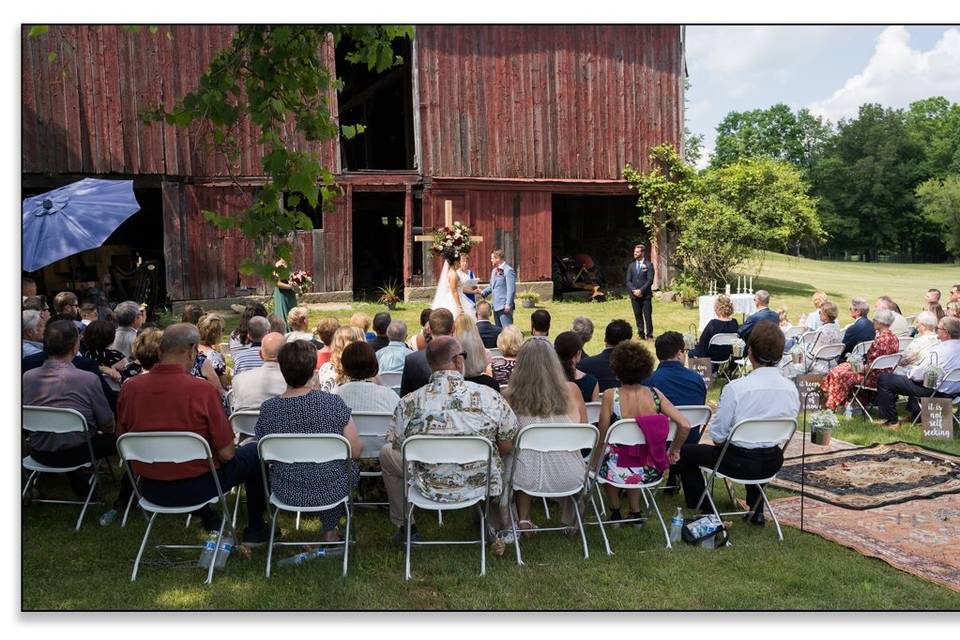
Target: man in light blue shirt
(391, 357)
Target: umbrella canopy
(74, 218)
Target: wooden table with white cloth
(742, 304)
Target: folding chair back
(905, 342)
(809, 339)
(293, 448)
(625, 432)
(752, 431)
(951, 376)
(557, 437)
(891, 361)
(244, 423)
(722, 339)
(446, 449)
(495, 353)
(697, 415)
(391, 379)
(593, 412)
(372, 427)
(53, 420)
(793, 332)
(163, 446)
(228, 400)
(828, 351)
(862, 348)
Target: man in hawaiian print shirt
(449, 406)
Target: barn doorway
(377, 242)
(381, 102)
(129, 265)
(605, 228)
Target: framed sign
(703, 367)
(936, 416)
(806, 384)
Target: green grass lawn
(90, 570)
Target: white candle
(751, 284)
(738, 284)
(727, 288)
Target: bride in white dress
(450, 286)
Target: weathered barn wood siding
(559, 101)
(81, 113)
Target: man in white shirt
(252, 386)
(945, 355)
(390, 358)
(764, 393)
(130, 318)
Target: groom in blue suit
(503, 284)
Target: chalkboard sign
(808, 383)
(703, 367)
(936, 415)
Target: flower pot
(821, 436)
(688, 304)
(392, 306)
(527, 303)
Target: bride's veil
(443, 298)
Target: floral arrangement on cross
(455, 236)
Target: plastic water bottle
(848, 412)
(676, 525)
(226, 546)
(306, 556)
(207, 554)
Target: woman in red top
(842, 379)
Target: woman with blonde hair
(812, 320)
(539, 393)
(210, 363)
(362, 322)
(297, 320)
(331, 374)
(476, 367)
(509, 342)
(723, 323)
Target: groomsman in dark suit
(640, 287)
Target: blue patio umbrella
(74, 218)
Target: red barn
(524, 128)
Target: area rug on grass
(874, 476)
(919, 537)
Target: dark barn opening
(605, 228)
(381, 102)
(377, 242)
(132, 257)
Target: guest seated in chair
(945, 355)
(900, 326)
(509, 342)
(331, 374)
(302, 409)
(540, 394)
(723, 323)
(583, 327)
(842, 379)
(632, 363)
(762, 300)
(390, 358)
(763, 393)
(811, 321)
(569, 350)
(361, 392)
(326, 327)
(861, 330)
(478, 364)
(488, 330)
(599, 365)
(253, 386)
(170, 399)
(678, 384)
(918, 347)
(449, 406)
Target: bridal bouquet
(456, 237)
(301, 282)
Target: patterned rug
(874, 476)
(918, 537)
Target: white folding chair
(495, 353)
(824, 353)
(550, 438)
(905, 342)
(951, 376)
(627, 433)
(151, 447)
(244, 425)
(427, 449)
(794, 332)
(745, 432)
(593, 412)
(59, 421)
(228, 400)
(698, 415)
(722, 340)
(392, 379)
(372, 427)
(888, 362)
(861, 348)
(300, 448)
(809, 341)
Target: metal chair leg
(143, 545)
(216, 550)
(656, 509)
(516, 538)
(409, 519)
(773, 514)
(346, 538)
(86, 503)
(583, 534)
(546, 509)
(298, 521)
(273, 528)
(603, 531)
(30, 481)
(483, 541)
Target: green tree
(773, 133)
(865, 182)
(934, 124)
(940, 204)
(662, 191)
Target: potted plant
(528, 299)
(390, 294)
(822, 425)
(687, 295)
(690, 338)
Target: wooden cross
(447, 222)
